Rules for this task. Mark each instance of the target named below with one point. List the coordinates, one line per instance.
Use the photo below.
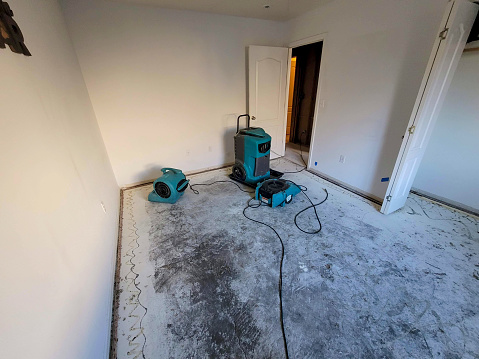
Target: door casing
(319, 103)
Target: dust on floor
(198, 280)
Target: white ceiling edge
(279, 10)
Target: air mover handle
(174, 170)
(237, 121)
(182, 185)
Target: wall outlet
(103, 206)
(342, 159)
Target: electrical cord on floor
(259, 203)
(280, 283)
(303, 190)
(212, 183)
(302, 158)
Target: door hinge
(443, 34)
(388, 198)
(411, 129)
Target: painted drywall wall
(374, 58)
(166, 85)
(57, 246)
(450, 169)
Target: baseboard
(356, 191)
(116, 293)
(115, 305)
(187, 173)
(446, 201)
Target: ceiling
(279, 10)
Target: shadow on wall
(405, 93)
(229, 123)
(151, 172)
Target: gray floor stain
(211, 320)
(368, 286)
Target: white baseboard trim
(445, 201)
(187, 173)
(356, 191)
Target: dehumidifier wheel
(239, 172)
(162, 190)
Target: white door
(268, 75)
(447, 50)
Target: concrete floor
(198, 280)
(294, 152)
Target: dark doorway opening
(306, 76)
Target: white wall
(57, 246)
(166, 85)
(450, 167)
(374, 59)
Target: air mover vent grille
(162, 190)
(261, 165)
(270, 187)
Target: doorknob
(253, 118)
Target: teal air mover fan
(276, 192)
(169, 187)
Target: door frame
(319, 103)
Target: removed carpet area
(198, 280)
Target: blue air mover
(252, 152)
(169, 187)
(276, 192)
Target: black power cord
(301, 151)
(303, 190)
(212, 183)
(259, 204)
(280, 283)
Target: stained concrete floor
(198, 280)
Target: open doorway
(303, 88)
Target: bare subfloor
(198, 280)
